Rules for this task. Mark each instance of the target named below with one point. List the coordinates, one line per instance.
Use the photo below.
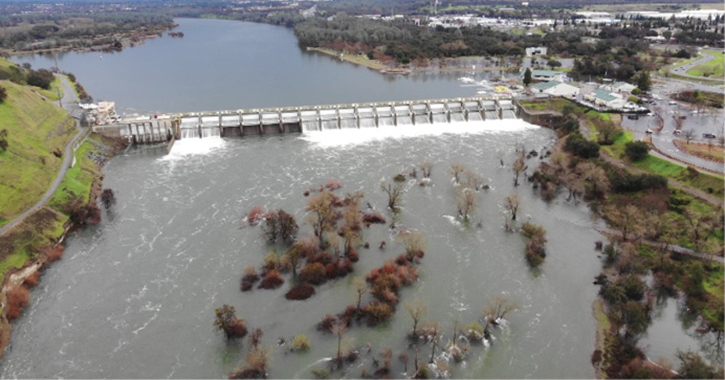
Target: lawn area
(78, 180)
(616, 150)
(36, 128)
(705, 182)
(712, 69)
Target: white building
(555, 88)
(604, 98)
(547, 75)
(532, 51)
(622, 87)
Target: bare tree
(700, 225)
(426, 167)
(678, 121)
(403, 357)
(417, 310)
(689, 135)
(395, 192)
(627, 219)
(456, 170)
(473, 180)
(497, 308)
(361, 287)
(466, 202)
(519, 166)
(321, 212)
(412, 240)
(511, 204)
(339, 328)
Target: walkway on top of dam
(312, 118)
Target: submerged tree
(227, 321)
(511, 204)
(321, 213)
(413, 242)
(395, 192)
(497, 308)
(339, 328)
(466, 202)
(417, 310)
(108, 198)
(426, 167)
(456, 170)
(519, 165)
(361, 287)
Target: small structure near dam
(309, 118)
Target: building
(555, 88)
(622, 87)
(532, 51)
(604, 98)
(547, 75)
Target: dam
(266, 121)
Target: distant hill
(36, 127)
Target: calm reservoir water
(134, 296)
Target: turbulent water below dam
(134, 296)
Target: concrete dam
(310, 118)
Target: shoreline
(29, 273)
(382, 68)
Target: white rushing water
(336, 138)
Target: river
(134, 296)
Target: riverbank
(650, 221)
(377, 65)
(38, 241)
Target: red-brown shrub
(372, 275)
(256, 214)
(272, 280)
(377, 312)
(402, 259)
(353, 255)
(17, 299)
(348, 314)
(326, 324)
(320, 257)
(237, 328)
(32, 280)
(374, 218)
(333, 184)
(314, 273)
(54, 253)
(300, 292)
(331, 270)
(347, 266)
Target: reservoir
(134, 297)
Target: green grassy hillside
(36, 128)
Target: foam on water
(337, 138)
(194, 146)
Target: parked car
(648, 131)
(633, 117)
(709, 135)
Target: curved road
(70, 104)
(682, 70)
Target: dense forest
(42, 31)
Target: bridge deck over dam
(310, 118)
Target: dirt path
(70, 104)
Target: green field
(712, 69)
(708, 183)
(36, 128)
(616, 150)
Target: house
(555, 88)
(532, 51)
(604, 98)
(623, 87)
(547, 75)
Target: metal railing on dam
(310, 118)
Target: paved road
(70, 104)
(682, 70)
(707, 122)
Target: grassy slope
(36, 127)
(78, 179)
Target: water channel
(134, 296)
